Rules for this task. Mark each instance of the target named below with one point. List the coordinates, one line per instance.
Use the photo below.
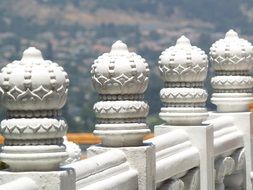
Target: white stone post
(33, 91)
(183, 68)
(231, 59)
(121, 77)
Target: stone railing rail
(107, 171)
(175, 153)
(23, 183)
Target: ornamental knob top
(231, 53)
(33, 83)
(183, 63)
(120, 72)
(31, 54)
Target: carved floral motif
(120, 72)
(33, 83)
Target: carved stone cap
(183, 62)
(231, 53)
(33, 83)
(120, 72)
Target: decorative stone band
(121, 109)
(34, 128)
(183, 115)
(121, 123)
(121, 134)
(235, 83)
(38, 99)
(120, 120)
(33, 114)
(114, 83)
(183, 84)
(114, 97)
(190, 96)
(235, 63)
(234, 73)
(232, 102)
(183, 73)
(34, 142)
(33, 158)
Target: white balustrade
(176, 160)
(192, 150)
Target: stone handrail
(226, 136)
(23, 183)
(106, 171)
(174, 153)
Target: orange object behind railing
(251, 107)
(1, 139)
(84, 138)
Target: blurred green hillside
(75, 32)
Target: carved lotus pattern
(120, 72)
(183, 63)
(33, 83)
(231, 53)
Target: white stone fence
(175, 153)
(177, 163)
(107, 171)
(193, 150)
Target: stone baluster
(33, 91)
(231, 59)
(183, 68)
(121, 77)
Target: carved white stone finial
(33, 90)
(183, 68)
(120, 77)
(119, 48)
(183, 42)
(32, 53)
(231, 34)
(231, 59)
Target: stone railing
(193, 150)
(106, 171)
(175, 153)
(23, 183)
(228, 152)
